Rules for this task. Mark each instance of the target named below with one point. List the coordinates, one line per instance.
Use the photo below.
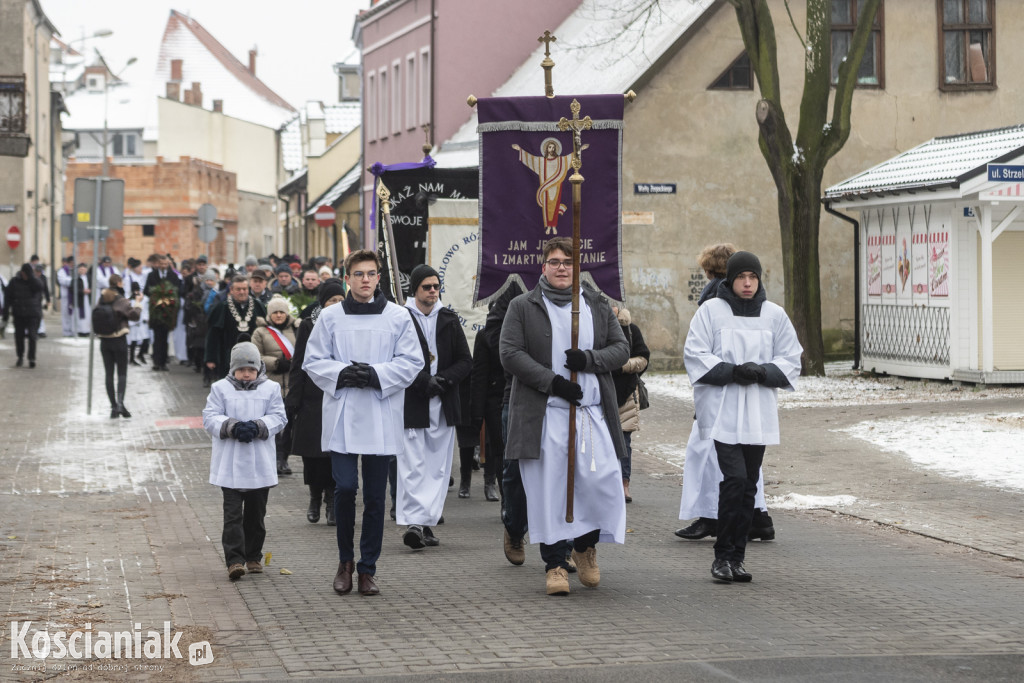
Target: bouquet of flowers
(163, 305)
(298, 302)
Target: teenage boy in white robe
(432, 410)
(741, 348)
(363, 354)
(536, 349)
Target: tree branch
(793, 24)
(839, 131)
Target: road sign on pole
(112, 204)
(207, 214)
(324, 216)
(13, 237)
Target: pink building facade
(422, 58)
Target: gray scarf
(559, 297)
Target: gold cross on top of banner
(577, 125)
(548, 63)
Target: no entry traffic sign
(324, 216)
(13, 237)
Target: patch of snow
(842, 386)
(798, 501)
(984, 448)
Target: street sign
(1005, 173)
(324, 216)
(13, 237)
(206, 214)
(112, 210)
(654, 188)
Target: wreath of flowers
(163, 305)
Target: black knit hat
(330, 287)
(741, 262)
(419, 274)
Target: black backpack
(104, 319)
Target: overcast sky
(298, 41)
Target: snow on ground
(798, 501)
(985, 448)
(842, 386)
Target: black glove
(356, 375)
(749, 373)
(245, 432)
(575, 359)
(284, 365)
(435, 386)
(570, 391)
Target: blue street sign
(1005, 173)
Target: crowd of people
(336, 372)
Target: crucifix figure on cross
(577, 126)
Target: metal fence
(908, 334)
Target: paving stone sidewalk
(111, 523)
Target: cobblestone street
(112, 523)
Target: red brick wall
(167, 196)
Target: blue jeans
(513, 494)
(627, 463)
(345, 467)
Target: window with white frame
(967, 47)
(425, 86)
(411, 105)
(396, 97)
(383, 110)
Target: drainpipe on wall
(287, 221)
(53, 202)
(35, 127)
(856, 278)
(433, 67)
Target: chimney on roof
(197, 94)
(173, 91)
(218, 106)
(188, 97)
(176, 69)
(252, 61)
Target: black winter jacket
(23, 298)
(454, 364)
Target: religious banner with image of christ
(526, 196)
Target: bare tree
(797, 166)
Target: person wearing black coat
(162, 273)
(487, 389)
(304, 406)
(23, 300)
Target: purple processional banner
(526, 196)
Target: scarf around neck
(559, 297)
(743, 308)
(375, 306)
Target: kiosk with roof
(940, 240)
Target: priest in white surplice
(363, 354)
(536, 349)
(740, 350)
(432, 410)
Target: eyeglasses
(555, 263)
(368, 275)
(430, 287)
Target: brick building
(160, 204)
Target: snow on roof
(601, 48)
(943, 161)
(220, 74)
(126, 107)
(339, 188)
(343, 117)
(291, 145)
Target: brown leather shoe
(343, 579)
(367, 586)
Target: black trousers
(115, 356)
(495, 456)
(556, 554)
(26, 326)
(740, 465)
(244, 530)
(160, 346)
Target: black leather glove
(749, 373)
(284, 365)
(575, 359)
(374, 381)
(435, 386)
(356, 375)
(570, 391)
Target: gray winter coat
(525, 351)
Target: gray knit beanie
(245, 355)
